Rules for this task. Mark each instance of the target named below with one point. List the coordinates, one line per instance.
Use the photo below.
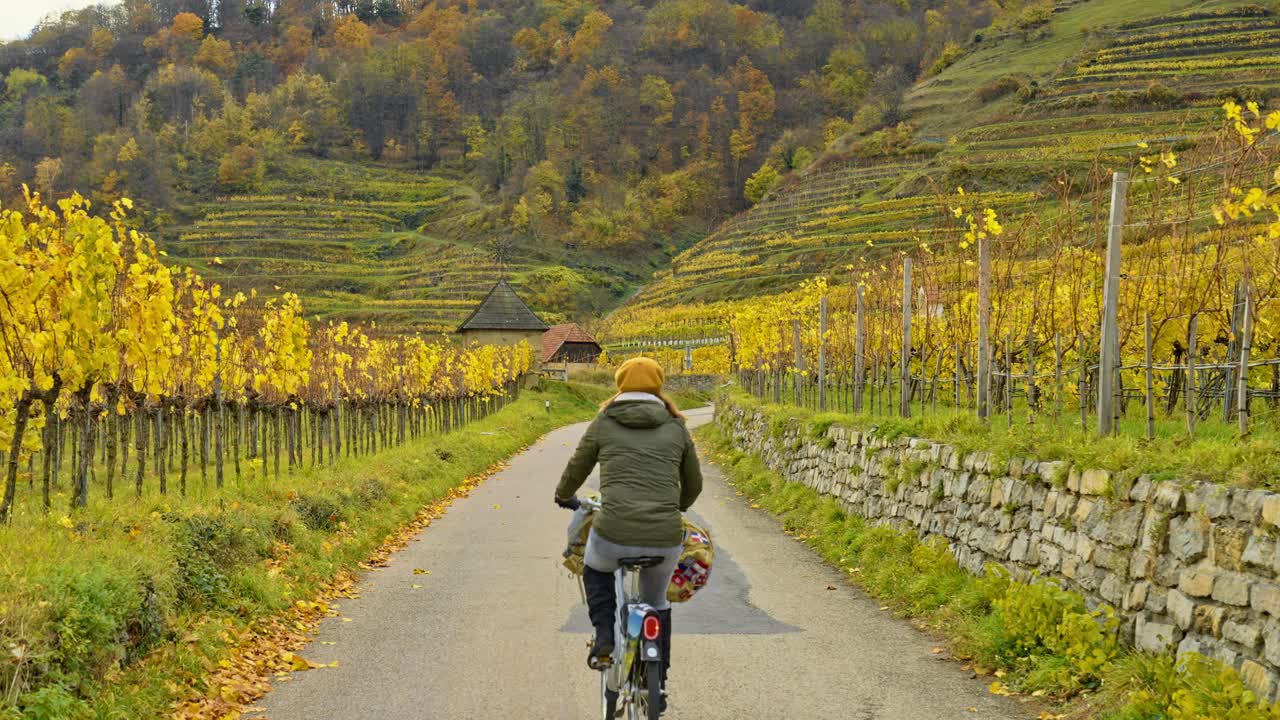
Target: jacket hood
(638, 413)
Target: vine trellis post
(1109, 348)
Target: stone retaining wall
(1191, 567)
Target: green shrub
(317, 513)
(998, 88)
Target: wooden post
(1110, 342)
(822, 354)
(984, 325)
(1151, 405)
(1057, 373)
(859, 357)
(1033, 396)
(904, 402)
(1008, 377)
(1084, 399)
(1191, 377)
(217, 399)
(959, 375)
(799, 362)
(1242, 382)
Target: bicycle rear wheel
(652, 696)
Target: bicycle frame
(624, 678)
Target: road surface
(497, 628)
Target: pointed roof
(502, 309)
(558, 335)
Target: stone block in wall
(1232, 588)
(1113, 589)
(1271, 641)
(1197, 581)
(1246, 505)
(1258, 679)
(1189, 537)
(1154, 636)
(1120, 527)
(1260, 552)
(1095, 482)
(1140, 565)
(1142, 490)
(1265, 598)
(1112, 559)
(1182, 609)
(1229, 542)
(1051, 471)
(979, 489)
(1084, 514)
(1211, 500)
(1271, 510)
(1242, 632)
(1208, 620)
(1157, 600)
(1167, 572)
(1198, 644)
(1169, 496)
(1135, 597)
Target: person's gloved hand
(570, 504)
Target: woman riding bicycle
(649, 475)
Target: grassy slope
(946, 103)
(374, 243)
(836, 213)
(127, 605)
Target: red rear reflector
(652, 627)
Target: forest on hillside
(595, 125)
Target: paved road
(497, 629)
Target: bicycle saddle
(643, 561)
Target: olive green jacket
(649, 473)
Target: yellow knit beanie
(639, 374)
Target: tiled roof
(558, 335)
(502, 309)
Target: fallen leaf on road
(415, 586)
(420, 571)
(297, 663)
(497, 506)
(346, 619)
(973, 710)
(884, 607)
(936, 650)
(997, 689)
(756, 506)
(831, 587)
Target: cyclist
(649, 475)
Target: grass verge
(122, 610)
(1032, 638)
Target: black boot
(601, 604)
(664, 642)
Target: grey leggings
(603, 555)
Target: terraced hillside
(1104, 81)
(345, 237)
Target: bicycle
(632, 681)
